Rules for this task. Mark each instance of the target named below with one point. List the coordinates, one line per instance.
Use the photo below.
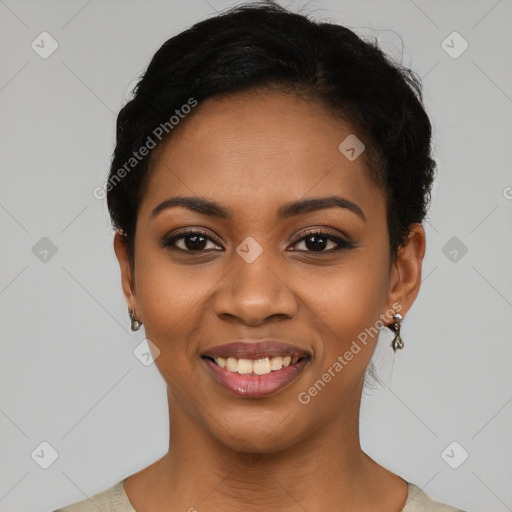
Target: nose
(253, 293)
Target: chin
(262, 433)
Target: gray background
(68, 375)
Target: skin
(254, 152)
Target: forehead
(258, 149)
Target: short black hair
(263, 46)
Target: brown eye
(318, 241)
(193, 242)
(190, 241)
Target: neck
(327, 470)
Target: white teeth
(261, 366)
(276, 363)
(255, 366)
(244, 366)
(231, 364)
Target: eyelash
(168, 243)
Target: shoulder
(418, 501)
(113, 499)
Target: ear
(127, 282)
(405, 279)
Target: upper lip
(256, 349)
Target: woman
(268, 186)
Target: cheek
(170, 298)
(346, 305)
(164, 286)
(345, 309)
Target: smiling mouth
(254, 366)
(256, 378)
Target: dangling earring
(398, 342)
(135, 324)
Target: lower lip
(256, 386)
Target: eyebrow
(213, 209)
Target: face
(264, 267)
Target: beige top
(115, 499)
